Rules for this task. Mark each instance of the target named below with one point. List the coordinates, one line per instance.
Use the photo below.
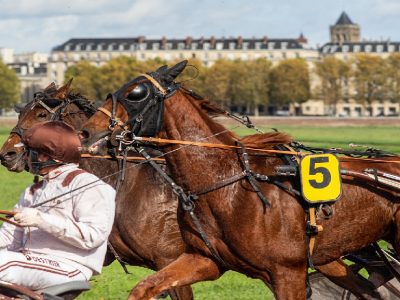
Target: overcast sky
(40, 25)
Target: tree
(249, 83)
(9, 87)
(289, 82)
(333, 73)
(85, 81)
(393, 77)
(369, 79)
(218, 81)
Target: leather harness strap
(67, 180)
(155, 83)
(319, 228)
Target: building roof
(189, 43)
(361, 47)
(344, 20)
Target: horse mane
(81, 101)
(266, 140)
(260, 141)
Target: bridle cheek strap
(118, 120)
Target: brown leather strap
(108, 113)
(155, 83)
(67, 180)
(211, 145)
(313, 222)
(36, 186)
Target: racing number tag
(320, 178)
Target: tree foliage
(369, 78)
(393, 77)
(333, 74)
(9, 87)
(289, 82)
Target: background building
(36, 70)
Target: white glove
(27, 216)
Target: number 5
(326, 175)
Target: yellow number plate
(320, 178)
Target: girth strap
(250, 175)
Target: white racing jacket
(75, 226)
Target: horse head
(50, 104)
(137, 106)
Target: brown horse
(262, 242)
(145, 231)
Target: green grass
(114, 284)
(383, 137)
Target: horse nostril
(84, 134)
(7, 155)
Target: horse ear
(63, 91)
(50, 89)
(174, 71)
(162, 69)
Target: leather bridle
(56, 113)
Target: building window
(284, 45)
(345, 48)
(356, 48)
(181, 46)
(245, 46)
(257, 45)
(121, 47)
(391, 48)
(232, 45)
(194, 46)
(379, 48)
(142, 46)
(220, 46)
(206, 46)
(67, 47)
(368, 48)
(271, 45)
(155, 46)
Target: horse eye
(42, 115)
(138, 93)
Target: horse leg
(187, 269)
(289, 283)
(181, 293)
(339, 273)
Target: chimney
(188, 42)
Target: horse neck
(185, 120)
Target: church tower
(345, 31)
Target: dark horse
(145, 231)
(265, 242)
